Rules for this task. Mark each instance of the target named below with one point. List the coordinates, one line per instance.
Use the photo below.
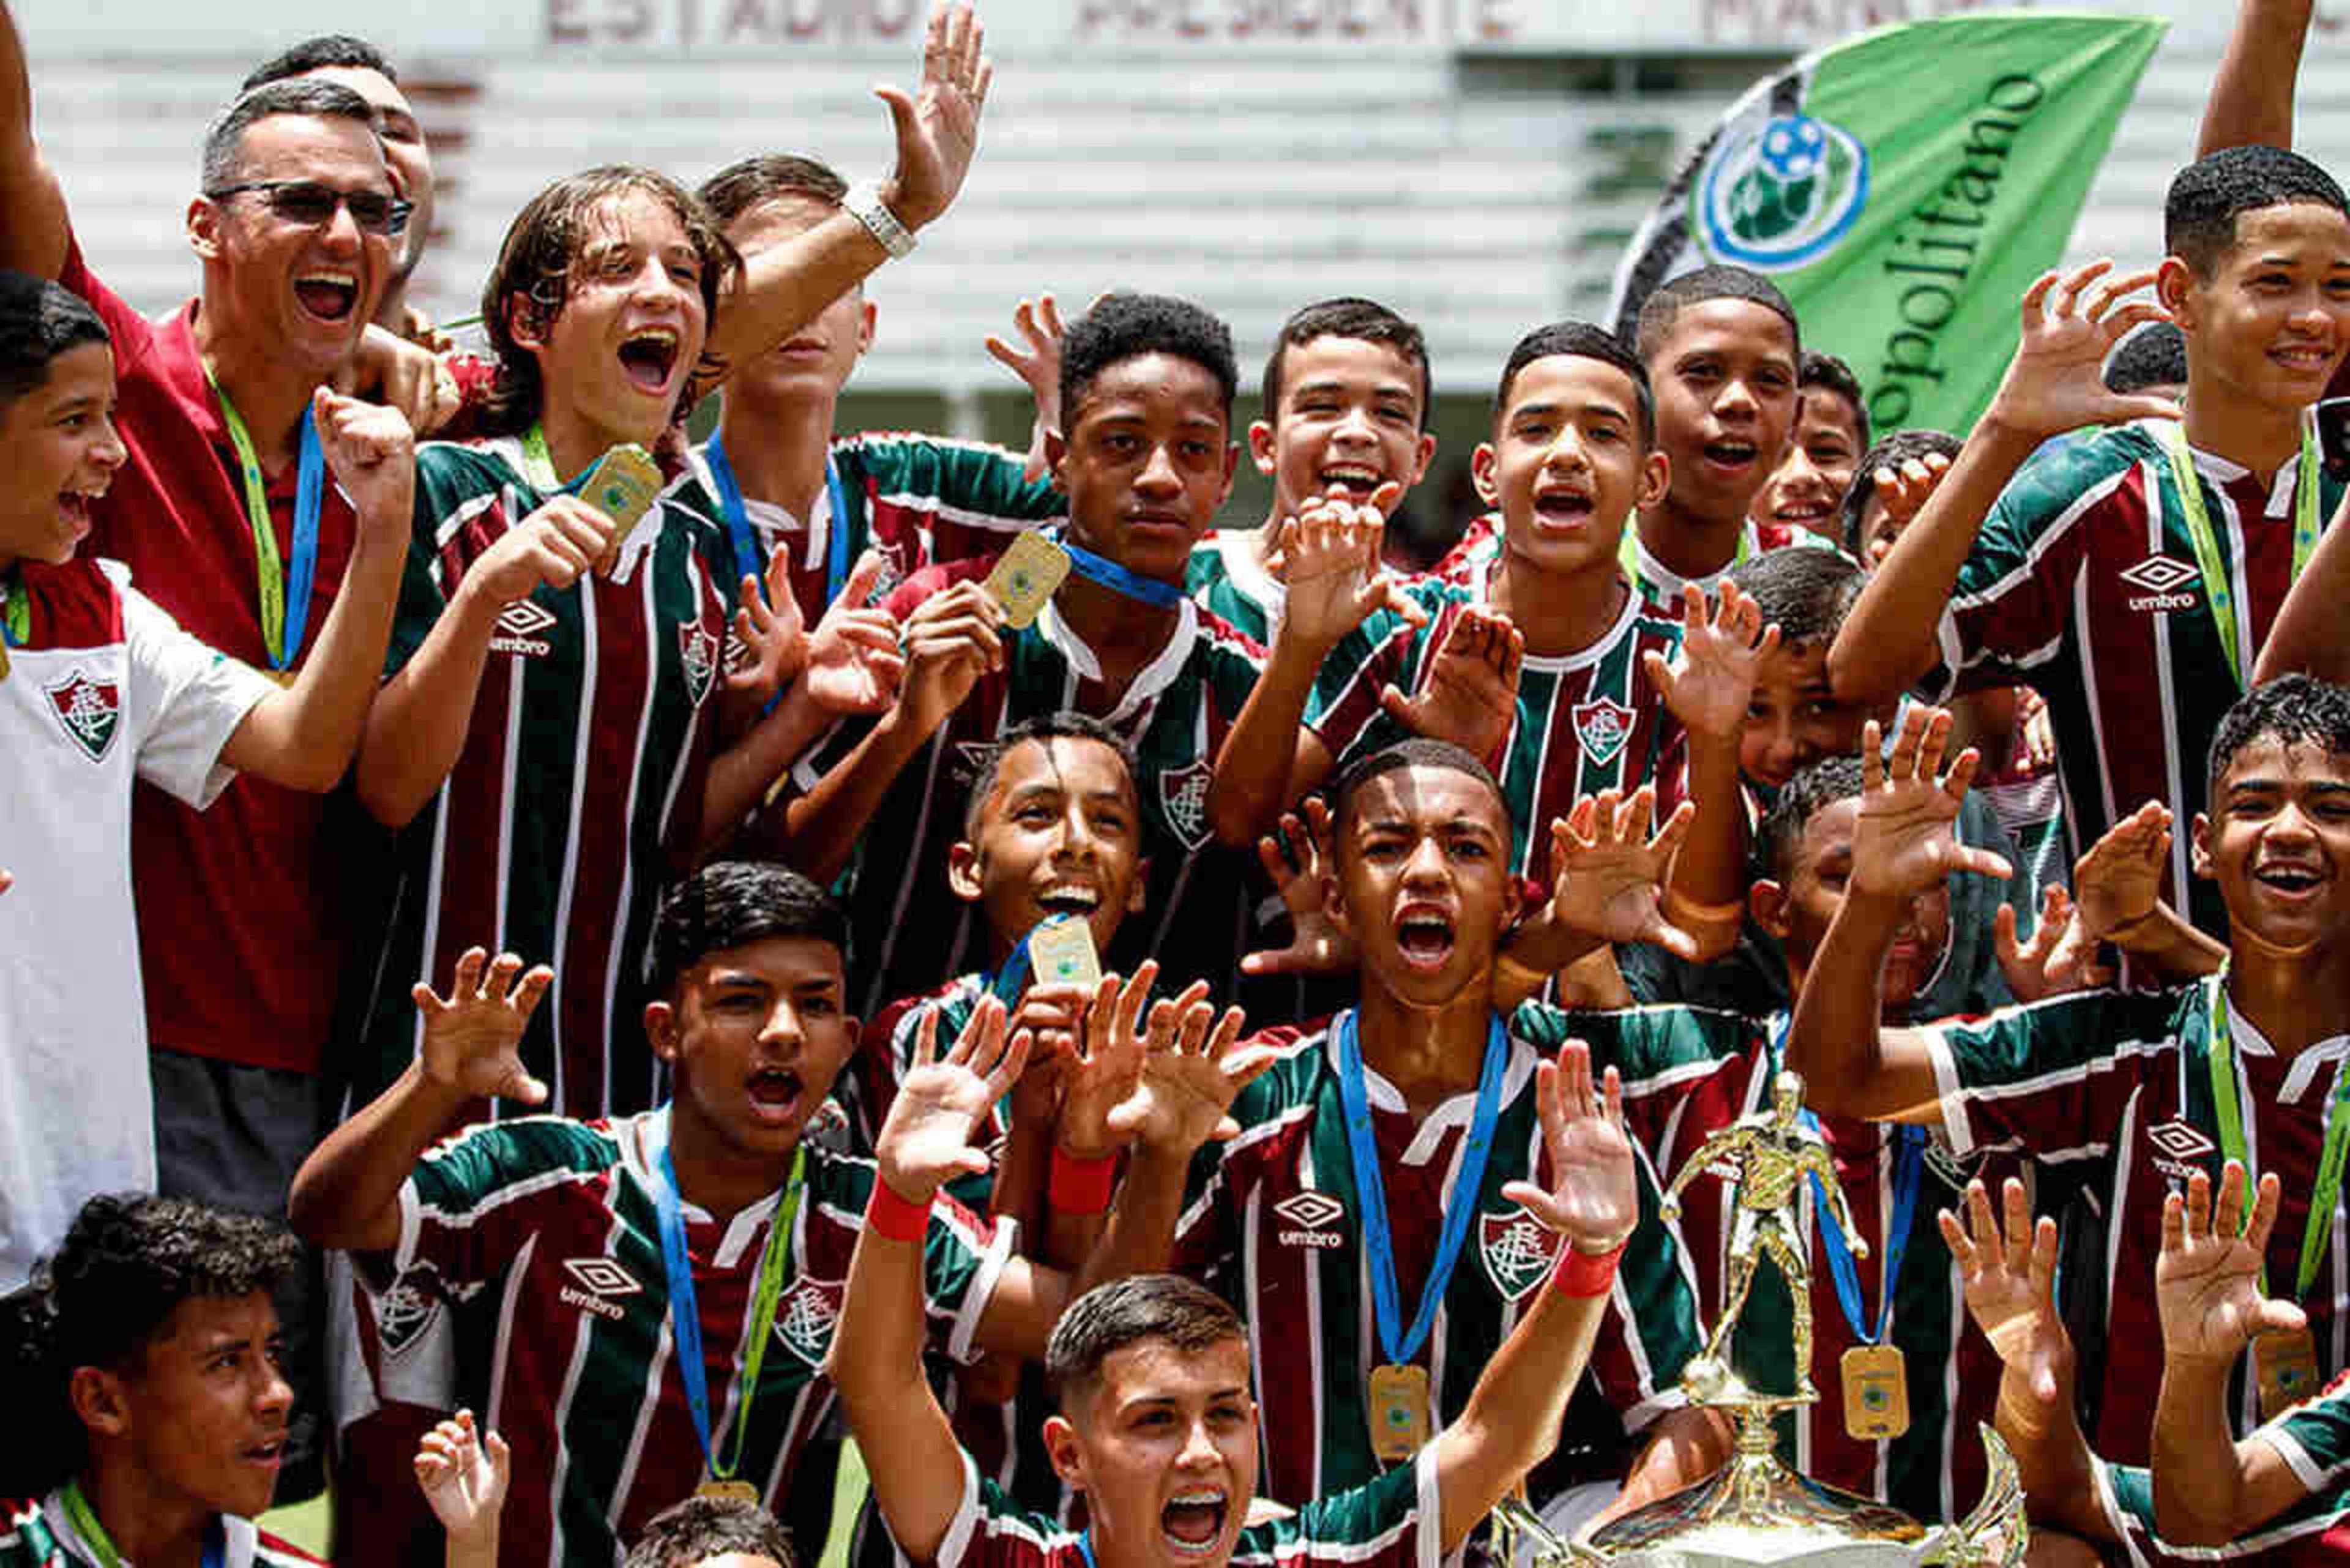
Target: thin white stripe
(507, 796)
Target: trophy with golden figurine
(1755, 1509)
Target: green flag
(1904, 188)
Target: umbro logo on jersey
(402, 1314)
(89, 711)
(2162, 577)
(1310, 1215)
(1951, 1168)
(2178, 1148)
(1183, 797)
(698, 652)
(1518, 1251)
(599, 1281)
(1603, 727)
(518, 628)
(805, 1317)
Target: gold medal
(3, 659)
(2286, 1365)
(285, 678)
(728, 1490)
(1875, 1392)
(1399, 1411)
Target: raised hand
(463, 1472)
(2206, 1283)
(1903, 843)
(1052, 1016)
(937, 129)
(1039, 322)
(2056, 381)
(1328, 555)
(2055, 959)
(854, 663)
(926, 1140)
(556, 545)
(1192, 1070)
(1594, 1197)
(472, 1037)
(1607, 874)
(2119, 881)
(1318, 944)
(770, 643)
(1469, 695)
(1709, 682)
(950, 640)
(1903, 492)
(1105, 1063)
(2007, 1271)
(371, 451)
(410, 378)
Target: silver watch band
(865, 204)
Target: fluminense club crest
(1603, 725)
(698, 651)
(89, 711)
(1518, 1251)
(805, 1317)
(1183, 797)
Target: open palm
(1593, 1198)
(2206, 1283)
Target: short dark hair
(1418, 751)
(2153, 356)
(1126, 325)
(1104, 1320)
(1806, 592)
(729, 904)
(746, 183)
(2294, 709)
(1800, 799)
(699, 1528)
(2206, 197)
(39, 320)
(225, 139)
(1580, 339)
(1891, 452)
(1347, 317)
(1065, 725)
(126, 1264)
(541, 248)
(327, 51)
(1820, 369)
(1664, 306)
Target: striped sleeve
(464, 1212)
(1394, 1522)
(2052, 1078)
(1385, 650)
(963, 1255)
(969, 497)
(2313, 1438)
(990, 1531)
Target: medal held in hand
(1030, 567)
(1061, 953)
(1399, 1411)
(623, 486)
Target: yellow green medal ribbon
(2327, 1194)
(285, 606)
(1628, 549)
(538, 462)
(15, 610)
(2218, 587)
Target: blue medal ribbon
(302, 572)
(1370, 1189)
(1110, 575)
(1909, 1172)
(749, 561)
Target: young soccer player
(150, 1416)
(1802, 502)
(2139, 639)
(2139, 1089)
(775, 476)
(1346, 391)
(99, 688)
(589, 1248)
(1158, 1426)
(1724, 354)
(1147, 388)
(1551, 665)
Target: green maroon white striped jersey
(1273, 1219)
(1586, 722)
(548, 1226)
(1396, 1521)
(2313, 1439)
(908, 931)
(917, 499)
(42, 1535)
(1690, 1072)
(1224, 577)
(2116, 1088)
(1471, 559)
(578, 794)
(2082, 584)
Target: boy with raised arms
(1347, 393)
(663, 1287)
(2137, 1091)
(1158, 1426)
(2132, 576)
(1147, 385)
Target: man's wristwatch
(865, 204)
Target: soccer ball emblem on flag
(1778, 195)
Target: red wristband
(898, 1218)
(1580, 1273)
(1081, 1186)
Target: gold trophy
(1755, 1510)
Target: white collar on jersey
(2298, 1077)
(1668, 583)
(1481, 587)
(2221, 471)
(1457, 1111)
(1149, 681)
(643, 1137)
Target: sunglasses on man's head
(307, 202)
